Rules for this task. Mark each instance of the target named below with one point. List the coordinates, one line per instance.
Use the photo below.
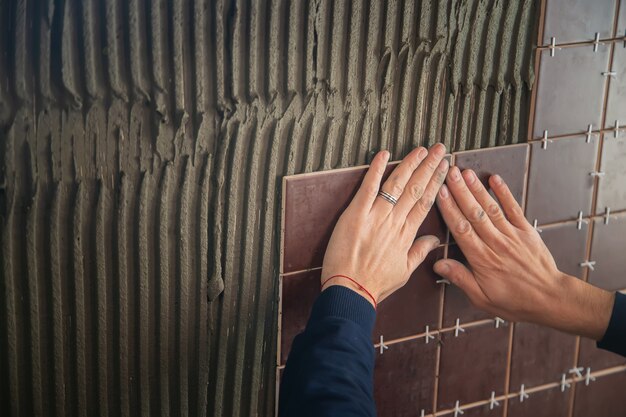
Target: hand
(512, 273)
(374, 241)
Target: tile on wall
(404, 379)
(568, 246)
(621, 19)
(607, 251)
(509, 162)
(409, 310)
(312, 205)
(546, 403)
(592, 357)
(578, 20)
(612, 186)
(456, 304)
(540, 355)
(600, 398)
(299, 292)
(616, 104)
(560, 183)
(570, 90)
(472, 365)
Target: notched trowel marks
(141, 149)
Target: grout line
(280, 320)
(509, 359)
(442, 292)
(573, 392)
(542, 22)
(288, 274)
(536, 389)
(283, 202)
(588, 219)
(574, 135)
(613, 39)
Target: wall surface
(142, 145)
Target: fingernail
(455, 174)
(422, 153)
(386, 155)
(443, 191)
(497, 180)
(470, 177)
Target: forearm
(576, 307)
(330, 367)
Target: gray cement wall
(142, 145)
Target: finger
(420, 249)
(420, 209)
(486, 201)
(459, 275)
(511, 208)
(470, 207)
(459, 226)
(416, 186)
(396, 182)
(366, 195)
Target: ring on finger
(388, 197)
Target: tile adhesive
(142, 145)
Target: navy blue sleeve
(615, 337)
(329, 371)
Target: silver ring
(388, 197)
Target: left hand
(374, 241)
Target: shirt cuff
(614, 339)
(341, 302)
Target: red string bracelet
(362, 288)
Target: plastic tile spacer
(422, 413)
(429, 336)
(589, 133)
(458, 328)
(443, 281)
(564, 383)
(499, 321)
(545, 140)
(588, 264)
(616, 129)
(607, 215)
(522, 394)
(597, 174)
(596, 42)
(535, 226)
(588, 377)
(610, 73)
(383, 347)
(552, 46)
(493, 402)
(580, 221)
(457, 410)
(577, 371)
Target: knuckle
(478, 215)
(395, 188)
(416, 191)
(371, 190)
(463, 227)
(426, 204)
(494, 211)
(432, 164)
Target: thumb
(422, 246)
(459, 275)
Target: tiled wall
(436, 353)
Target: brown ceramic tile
(578, 20)
(472, 365)
(559, 182)
(568, 246)
(313, 204)
(456, 304)
(612, 186)
(404, 379)
(298, 296)
(540, 355)
(603, 397)
(616, 104)
(607, 251)
(409, 310)
(508, 161)
(570, 90)
(596, 359)
(546, 403)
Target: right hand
(511, 271)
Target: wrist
(578, 307)
(349, 283)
